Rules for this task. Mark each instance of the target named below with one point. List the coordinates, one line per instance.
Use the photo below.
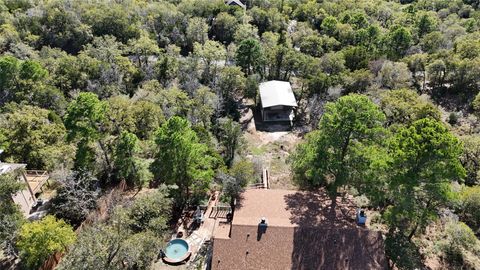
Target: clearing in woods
(272, 150)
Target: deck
(36, 179)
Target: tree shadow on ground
(403, 253)
(327, 236)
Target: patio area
(198, 238)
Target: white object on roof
(276, 93)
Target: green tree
(111, 19)
(211, 52)
(120, 115)
(40, 239)
(249, 56)
(27, 81)
(312, 45)
(167, 66)
(244, 171)
(143, 48)
(329, 26)
(436, 75)
(34, 136)
(197, 31)
(148, 117)
(224, 27)
(417, 65)
(85, 122)
(245, 31)
(426, 22)
(332, 63)
(205, 102)
(231, 86)
(330, 155)
(11, 219)
(425, 159)
(181, 159)
(113, 72)
(471, 159)
(62, 28)
(432, 42)
(356, 57)
(129, 239)
(128, 165)
(394, 75)
(404, 106)
(229, 136)
(175, 102)
(357, 81)
(151, 212)
(112, 247)
(397, 42)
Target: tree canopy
(181, 159)
(40, 239)
(329, 156)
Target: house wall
(278, 108)
(277, 114)
(25, 200)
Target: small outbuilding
(240, 3)
(278, 102)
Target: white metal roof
(10, 167)
(235, 2)
(275, 93)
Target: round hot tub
(176, 251)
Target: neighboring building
(280, 229)
(277, 101)
(33, 179)
(240, 3)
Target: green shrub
(453, 119)
(470, 206)
(459, 245)
(40, 239)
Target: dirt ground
(272, 148)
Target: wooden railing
(36, 173)
(257, 185)
(265, 181)
(36, 179)
(220, 211)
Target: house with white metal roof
(33, 180)
(278, 102)
(239, 3)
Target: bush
(40, 239)
(244, 172)
(460, 244)
(470, 206)
(151, 212)
(453, 119)
(476, 103)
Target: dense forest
(149, 94)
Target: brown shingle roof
(301, 234)
(270, 203)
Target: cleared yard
(272, 150)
